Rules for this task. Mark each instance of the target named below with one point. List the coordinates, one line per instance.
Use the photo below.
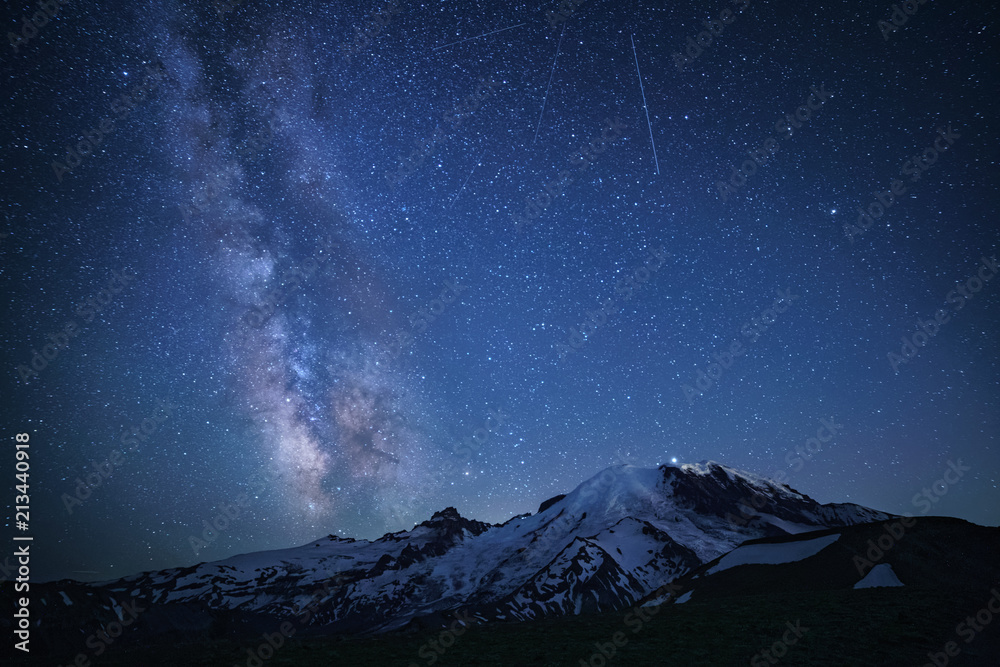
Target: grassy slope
(867, 627)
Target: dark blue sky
(404, 264)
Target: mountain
(916, 552)
(604, 546)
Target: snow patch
(773, 554)
(118, 609)
(880, 575)
(790, 527)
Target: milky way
(322, 422)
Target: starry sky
(329, 269)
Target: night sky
(331, 269)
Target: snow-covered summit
(603, 545)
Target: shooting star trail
(478, 162)
(478, 36)
(551, 74)
(632, 37)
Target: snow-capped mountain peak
(622, 533)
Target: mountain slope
(940, 553)
(603, 546)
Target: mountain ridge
(603, 546)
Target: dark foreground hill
(804, 612)
(878, 626)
